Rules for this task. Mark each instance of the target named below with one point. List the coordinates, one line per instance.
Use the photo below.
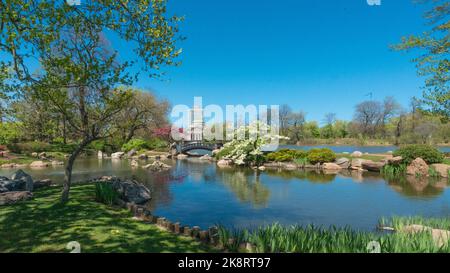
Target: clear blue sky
(317, 56)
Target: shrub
(157, 144)
(105, 193)
(29, 147)
(135, 143)
(285, 155)
(321, 156)
(428, 153)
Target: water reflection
(423, 187)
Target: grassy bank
(44, 225)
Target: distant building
(195, 132)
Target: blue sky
(316, 56)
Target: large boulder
(442, 169)
(343, 162)
(132, 191)
(39, 164)
(117, 155)
(26, 178)
(134, 163)
(12, 197)
(42, 155)
(357, 154)
(157, 166)
(372, 166)
(131, 153)
(142, 157)
(331, 166)
(357, 163)
(418, 167)
(397, 160)
(224, 163)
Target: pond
(350, 149)
(199, 193)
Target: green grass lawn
(45, 225)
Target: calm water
(197, 193)
(350, 149)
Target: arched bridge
(186, 147)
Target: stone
(397, 160)
(331, 166)
(12, 197)
(418, 167)
(39, 164)
(131, 153)
(157, 166)
(182, 156)
(216, 151)
(372, 166)
(100, 154)
(134, 163)
(343, 162)
(26, 178)
(440, 237)
(357, 163)
(357, 154)
(132, 191)
(142, 157)
(224, 163)
(117, 155)
(12, 185)
(8, 166)
(34, 154)
(42, 155)
(205, 157)
(42, 183)
(261, 168)
(442, 169)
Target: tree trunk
(68, 170)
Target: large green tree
(433, 59)
(62, 55)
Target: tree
(80, 72)
(367, 115)
(284, 112)
(144, 112)
(433, 61)
(390, 108)
(295, 123)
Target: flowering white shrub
(249, 142)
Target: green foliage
(321, 155)
(9, 132)
(392, 171)
(105, 193)
(135, 143)
(157, 144)
(37, 146)
(428, 153)
(286, 155)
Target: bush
(321, 156)
(428, 153)
(285, 155)
(157, 144)
(29, 147)
(105, 193)
(136, 143)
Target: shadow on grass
(45, 225)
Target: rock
(261, 168)
(357, 154)
(442, 169)
(224, 163)
(34, 154)
(216, 151)
(57, 163)
(26, 178)
(42, 183)
(205, 157)
(343, 162)
(390, 152)
(12, 197)
(39, 164)
(132, 191)
(372, 166)
(182, 156)
(117, 155)
(395, 160)
(418, 167)
(157, 166)
(42, 155)
(289, 166)
(100, 154)
(331, 166)
(142, 157)
(134, 163)
(357, 163)
(8, 166)
(440, 237)
(131, 153)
